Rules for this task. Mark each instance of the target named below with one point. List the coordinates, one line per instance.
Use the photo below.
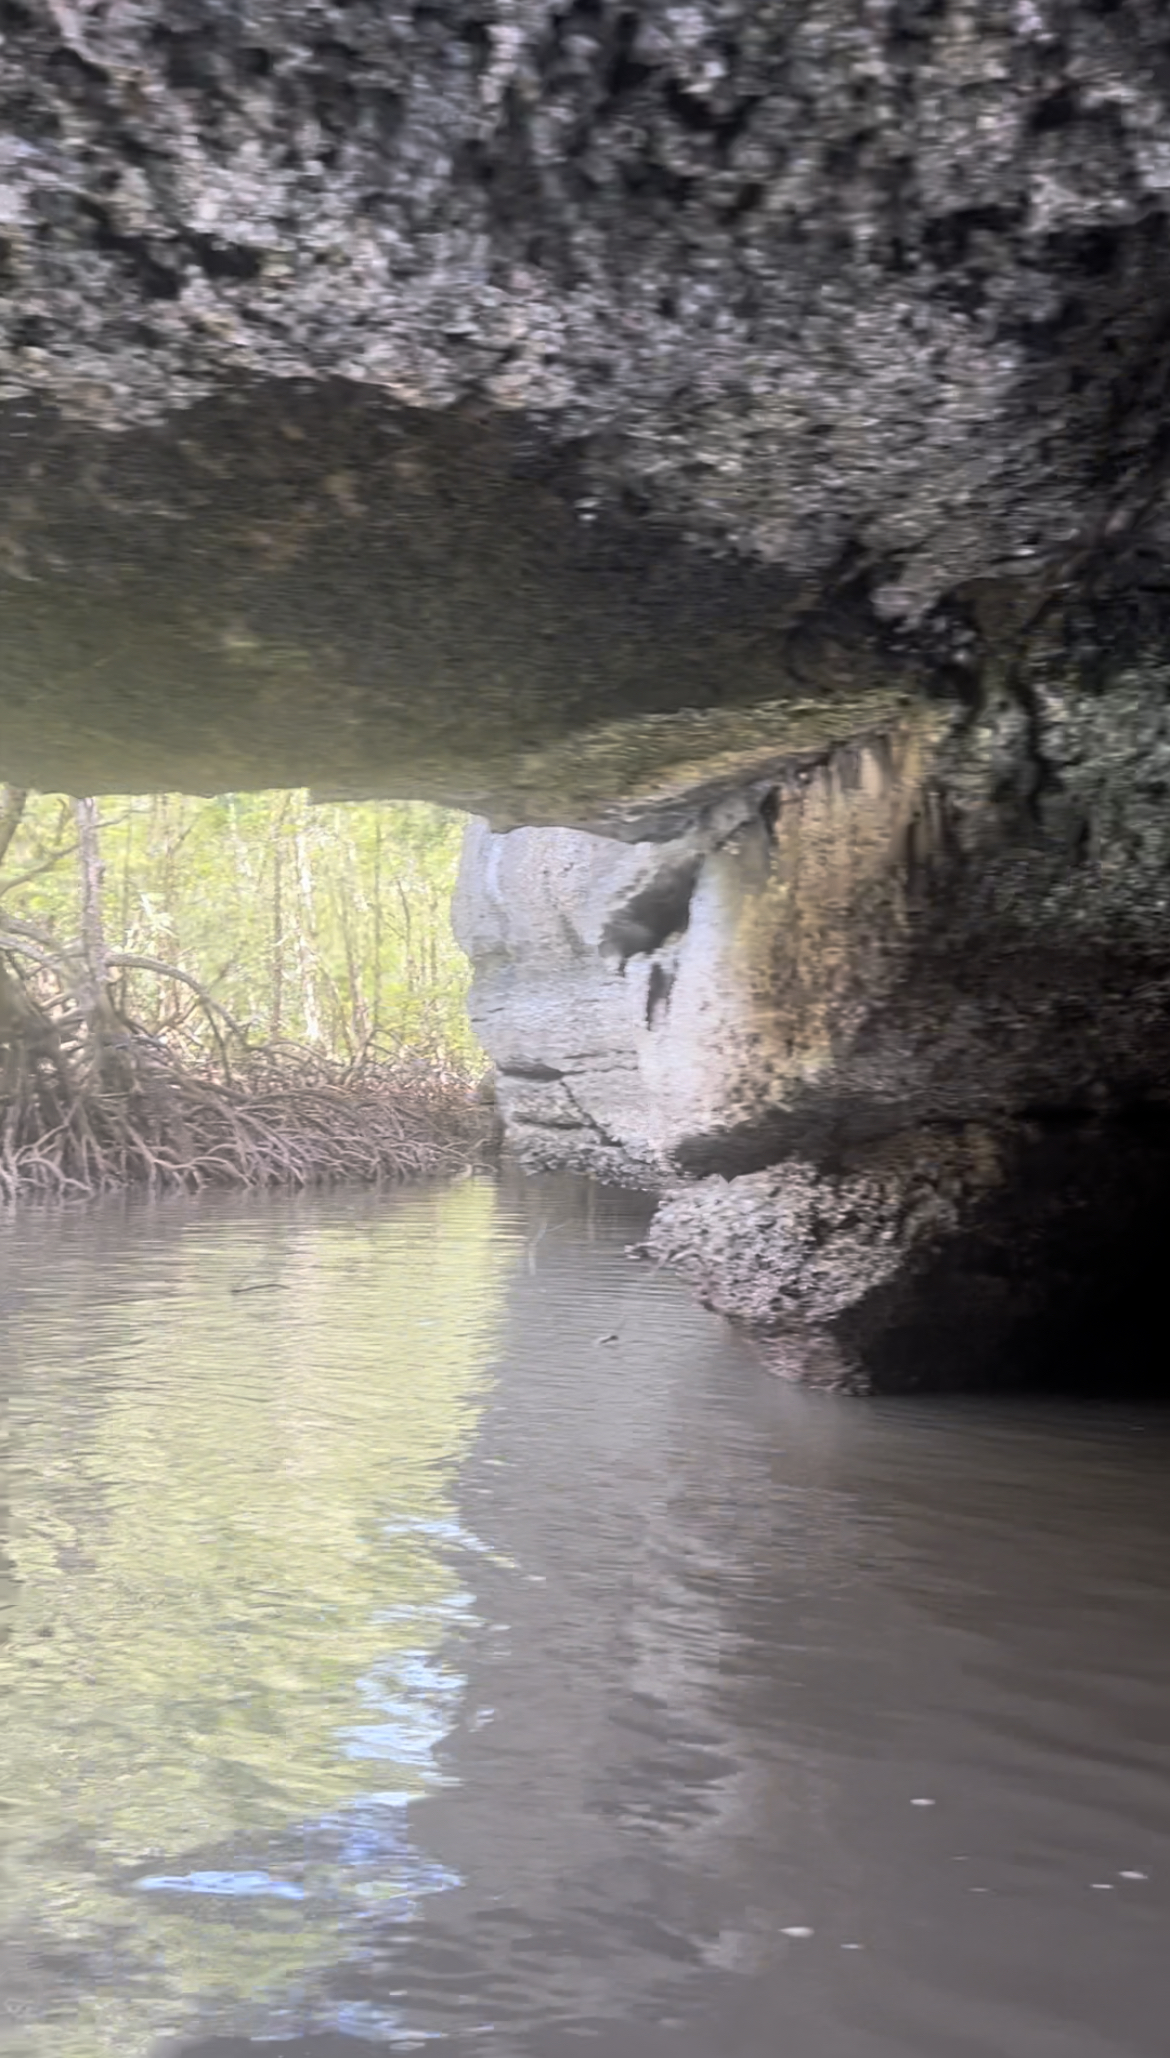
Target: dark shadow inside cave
(1060, 1288)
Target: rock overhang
(628, 418)
(447, 398)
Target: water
(392, 1661)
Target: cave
(728, 458)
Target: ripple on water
(388, 1663)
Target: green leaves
(326, 923)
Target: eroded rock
(504, 400)
(797, 1255)
(890, 1037)
(806, 276)
(738, 429)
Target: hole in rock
(660, 910)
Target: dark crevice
(160, 280)
(746, 200)
(588, 1121)
(700, 118)
(476, 36)
(650, 181)
(226, 261)
(30, 332)
(912, 23)
(626, 72)
(691, 112)
(947, 239)
(1050, 1116)
(1091, 253)
(660, 911)
(131, 150)
(658, 992)
(189, 58)
(1057, 112)
(335, 99)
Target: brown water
(390, 1660)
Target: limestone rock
(791, 1254)
(550, 407)
(890, 1038)
(737, 431)
(805, 276)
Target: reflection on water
(233, 1447)
(426, 1625)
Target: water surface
(422, 1625)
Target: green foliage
(318, 925)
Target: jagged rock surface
(796, 1254)
(891, 1038)
(435, 336)
(810, 277)
(740, 427)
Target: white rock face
(557, 1002)
(656, 1007)
(880, 1029)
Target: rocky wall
(737, 430)
(889, 1038)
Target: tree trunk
(12, 800)
(307, 939)
(93, 981)
(376, 982)
(277, 991)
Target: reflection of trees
(232, 1535)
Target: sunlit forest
(320, 925)
(253, 991)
